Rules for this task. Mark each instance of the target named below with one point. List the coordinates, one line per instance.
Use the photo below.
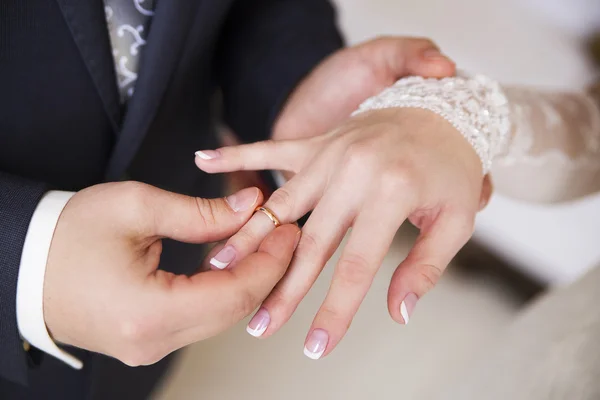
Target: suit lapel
(160, 57)
(87, 22)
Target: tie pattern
(128, 23)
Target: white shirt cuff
(32, 271)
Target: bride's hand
(374, 172)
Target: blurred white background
(532, 42)
(536, 42)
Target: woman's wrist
(476, 107)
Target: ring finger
(287, 204)
(371, 237)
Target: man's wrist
(30, 283)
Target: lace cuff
(476, 107)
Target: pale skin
(370, 173)
(102, 290)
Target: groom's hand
(103, 292)
(327, 96)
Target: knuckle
(335, 316)
(309, 245)
(282, 200)
(353, 270)
(134, 336)
(138, 329)
(131, 343)
(399, 178)
(136, 199)
(207, 212)
(430, 275)
(131, 331)
(278, 298)
(135, 192)
(246, 302)
(359, 157)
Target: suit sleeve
(18, 201)
(267, 47)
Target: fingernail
(298, 237)
(223, 257)
(259, 323)
(407, 306)
(243, 200)
(432, 53)
(208, 154)
(316, 344)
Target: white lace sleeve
(475, 106)
(539, 146)
(554, 149)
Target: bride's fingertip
(207, 154)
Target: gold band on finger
(269, 214)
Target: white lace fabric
(476, 107)
(544, 146)
(554, 149)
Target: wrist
(476, 107)
(433, 132)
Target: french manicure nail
(407, 306)
(316, 344)
(207, 154)
(223, 257)
(243, 200)
(259, 323)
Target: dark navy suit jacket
(62, 126)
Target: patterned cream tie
(128, 22)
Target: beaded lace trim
(476, 107)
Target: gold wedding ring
(269, 214)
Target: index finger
(282, 155)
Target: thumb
(256, 275)
(198, 220)
(217, 300)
